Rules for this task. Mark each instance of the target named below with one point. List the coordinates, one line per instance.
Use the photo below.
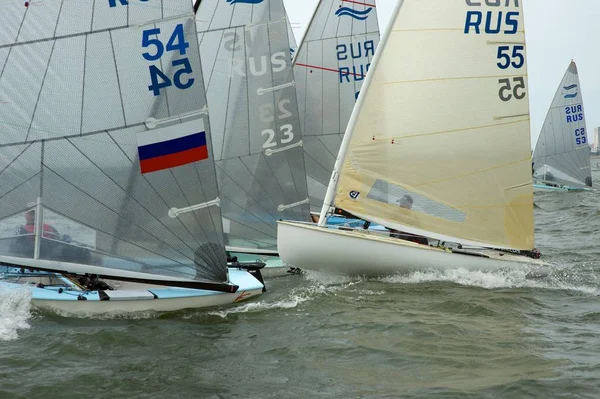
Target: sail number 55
(507, 58)
(156, 49)
(509, 89)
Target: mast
(327, 203)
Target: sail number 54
(156, 49)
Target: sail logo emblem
(354, 194)
(571, 87)
(360, 15)
(245, 1)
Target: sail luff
(331, 188)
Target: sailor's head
(30, 216)
(405, 202)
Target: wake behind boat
(421, 155)
(106, 161)
(561, 160)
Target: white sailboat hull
(130, 298)
(358, 252)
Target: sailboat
(561, 160)
(247, 60)
(109, 200)
(330, 68)
(422, 154)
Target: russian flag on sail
(172, 146)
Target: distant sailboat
(330, 68)
(561, 160)
(106, 136)
(438, 145)
(246, 52)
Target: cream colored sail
(444, 118)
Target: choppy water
(456, 334)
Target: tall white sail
(443, 122)
(256, 131)
(330, 68)
(105, 147)
(562, 154)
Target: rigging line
(112, 235)
(481, 171)
(465, 130)
(225, 124)
(27, 146)
(208, 128)
(112, 45)
(12, 45)
(62, 2)
(329, 69)
(261, 204)
(19, 185)
(41, 89)
(357, 2)
(453, 79)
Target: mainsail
(562, 154)
(442, 123)
(105, 155)
(254, 114)
(330, 68)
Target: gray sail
(254, 114)
(293, 43)
(330, 68)
(562, 153)
(93, 93)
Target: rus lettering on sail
(574, 113)
(257, 65)
(355, 51)
(492, 22)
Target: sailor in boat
(53, 246)
(406, 202)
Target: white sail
(330, 68)
(443, 122)
(256, 131)
(562, 155)
(104, 132)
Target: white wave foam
(491, 280)
(295, 297)
(15, 312)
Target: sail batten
(429, 147)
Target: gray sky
(556, 32)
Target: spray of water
(15, 312)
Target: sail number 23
(156, 49)
(268, 115)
